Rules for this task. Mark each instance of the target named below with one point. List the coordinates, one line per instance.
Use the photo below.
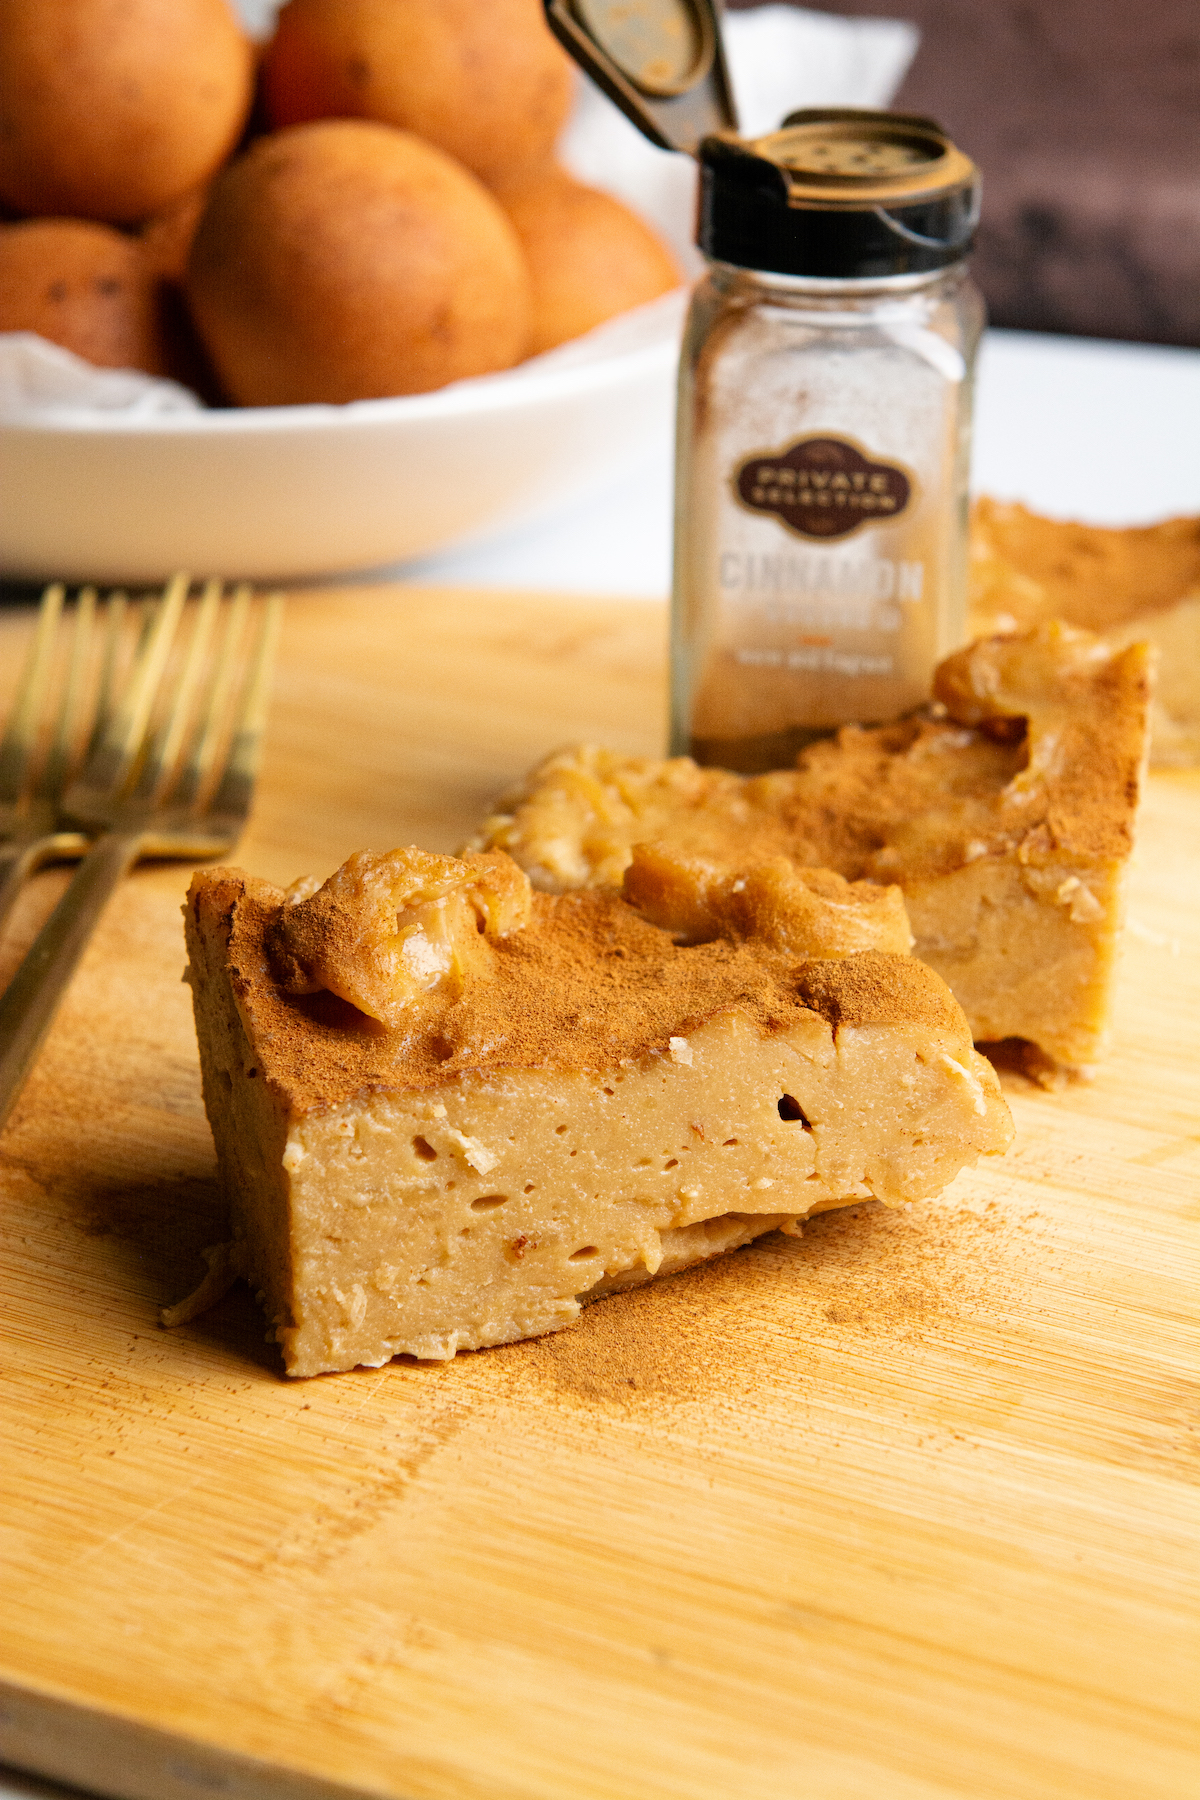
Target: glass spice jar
(823, 433)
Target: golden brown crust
(590, 984)
(1127, 585)
(810, 912)
(385, 929)
(1085, 711)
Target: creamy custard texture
(597, 1099)
(1005, 815)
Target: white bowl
(300, 491)
(295, 491)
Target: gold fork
(169, 774)
(31, 786)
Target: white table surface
(1074, 427)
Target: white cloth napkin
(40, 379)
(780, 58)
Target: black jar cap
(841, 193)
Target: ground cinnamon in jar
(823, 433)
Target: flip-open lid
(839, 192)
(835, 192)
(661, 61)
(851, 157)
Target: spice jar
(823, 433)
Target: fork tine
(109, 764)
(165, 752)
(205, 742)
(16, 751)
(236, 787)
(114, 619)
(58, 762)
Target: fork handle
(19, 861)
(31, 999)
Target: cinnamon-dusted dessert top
(1097, 577)
(579, 981)
(1047, 734)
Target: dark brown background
(1084, 116)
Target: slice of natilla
(1005, 813)
(448, 1111)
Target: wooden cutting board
(903, 1510)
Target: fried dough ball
(589, 257)
(166, 239)
(84, 286)
(166, 242)
(346, 261)
(111, 109)
(482, 79)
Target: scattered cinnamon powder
(860, 991)
(889, 1282)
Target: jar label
(822, 487)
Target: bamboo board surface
(903, 1510)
